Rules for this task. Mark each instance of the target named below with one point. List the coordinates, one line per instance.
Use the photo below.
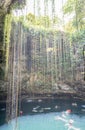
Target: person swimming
(21, 112)
(68, 122)
(70, 125)
(68, 111)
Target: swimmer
(73, 128)
(63, 115)
(68, 111)
(21, 112)
(61, 118)
(70, 122)
(70, 125)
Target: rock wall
(2, 19)
(5, 8)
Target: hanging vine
(7, 31)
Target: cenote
(42, 65)
(46, 115)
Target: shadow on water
(33, 107)
(49, 105)
(2, 113)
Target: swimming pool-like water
(48, 115)
(44, 122)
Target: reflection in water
(47, 114)
(53, 106)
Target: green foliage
(7, 31)
(76, 7)
(43, 21)
(18, 4)
(78, 37)
(69, 7)
(54, 55)
(31, 18)
(38, 21)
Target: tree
(31, 18)
(76, 7)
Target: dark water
(53, 106)
(2, 113)
(40, 115)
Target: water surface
(41, 115)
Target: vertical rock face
(2, 18)
(4, 9)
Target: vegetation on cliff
(48, 57)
